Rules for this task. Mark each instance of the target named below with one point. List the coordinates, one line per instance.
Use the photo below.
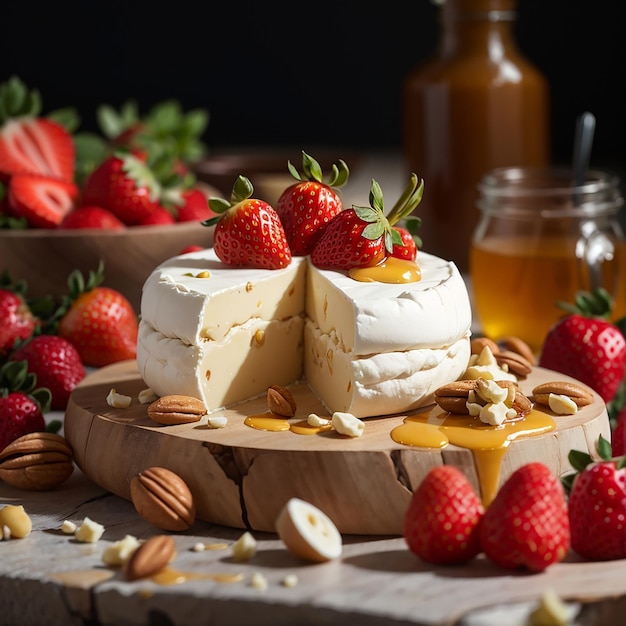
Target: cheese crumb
(217, 421)
(244, 548)
(347, 424)
(258, 581)
(89, 531)
(316, 421)
(198, 547)
(146, 396)
(291, 580)
(551, 611)
(118, 400)
(68, 527)
(119, 552)
(561, 404)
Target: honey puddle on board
(437, 429)
(276, 423)
(171, 576)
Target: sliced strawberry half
(44, 202)
(30, 145)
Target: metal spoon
(593, 248)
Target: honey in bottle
(477, 105)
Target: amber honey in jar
(540, 239)
(477, 105)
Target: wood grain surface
(241, 477)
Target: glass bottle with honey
(477, 105)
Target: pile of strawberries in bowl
(69, 200)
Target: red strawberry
(586, 346)
(363, 236)
(125, 185)
(158, 217)
(597, 503)
(18, 321)
(442, 521)
(191, 248)
(408, 248)
(43, 202)
(306, 207)
(56, 363)
(21, 405)
(353, 238)
(30, 144)
(526, 525)
(618, 436)
(100, 322)
(248, 232)
(194, 207)
(92, 217)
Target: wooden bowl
(45, 258)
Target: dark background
(301, 74)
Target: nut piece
(176, 409)
(580, 395)
(280, 401)
(478, 344)
(150, 557)
(163, 499)
(515, 344)
(15, 518)
(308, 532)
(36, 461)
(513, 362)
(454, 397)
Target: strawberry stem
(311, 170)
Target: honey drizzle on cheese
(437, 429)
(390, 270)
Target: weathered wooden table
(51, 578)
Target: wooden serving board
(241, 477)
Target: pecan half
(176, 409)
(163, 499)
(516, 344)
(477, 345)
(37, 461)
(453, 397)
(514, 363)
(580, 395)
(150, 557)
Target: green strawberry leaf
(54, 426)
(17, 100)
(604, 448)
(311, 170)
(579, 460)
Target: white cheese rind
(179, 304)
(378, 384)
(390, 345)
(370, 318)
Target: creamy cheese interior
(365, 348)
